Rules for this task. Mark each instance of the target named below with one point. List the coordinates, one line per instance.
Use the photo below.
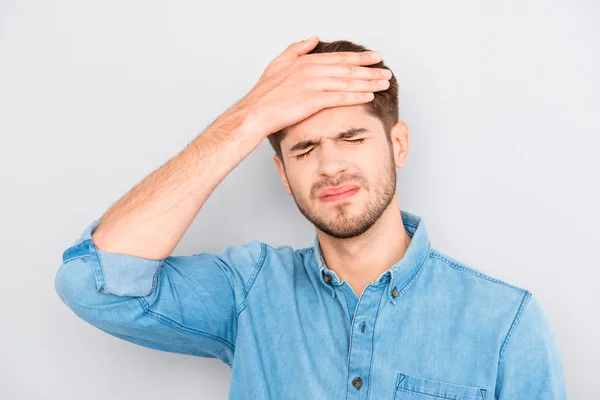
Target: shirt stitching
(182, 328)
(412, 280)
(454, 264)
(383, 293)
(515, 323)
(250, 283)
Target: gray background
(501, 98)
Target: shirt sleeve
(530, 365)
(180, 304)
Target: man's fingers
(351, 85)
(298, 49)
(351, 72)
(337, 99)
(345, 57)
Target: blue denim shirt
(430, 327)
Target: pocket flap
(442, 390)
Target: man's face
(364, 159)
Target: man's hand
(296, 85)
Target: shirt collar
(400, 275)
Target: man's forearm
(150, 219)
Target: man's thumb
(298, 49)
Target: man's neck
(360, 260)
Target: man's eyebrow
(342, 135)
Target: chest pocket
(410, 387)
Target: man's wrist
(250, 122)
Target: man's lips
(337, 191)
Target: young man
(372, 310)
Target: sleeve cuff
(119, 274)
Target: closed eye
(308, 152)
(299, 156)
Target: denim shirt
(430, 327)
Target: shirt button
(357, 382)
(327, 278)
(395, 292)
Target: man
(372, 310)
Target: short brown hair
(384, 106)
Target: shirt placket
(361, 341)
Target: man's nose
(332, 160)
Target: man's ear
(281, 170)
(399, 136)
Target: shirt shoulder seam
(516, 320)
(252, 279)
(462, 267)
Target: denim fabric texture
(428, 328)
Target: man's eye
(303, 154)
(308, 152)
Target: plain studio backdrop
(501, 98)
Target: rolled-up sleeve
(118, 274)
(530, 365)
(181, 304)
